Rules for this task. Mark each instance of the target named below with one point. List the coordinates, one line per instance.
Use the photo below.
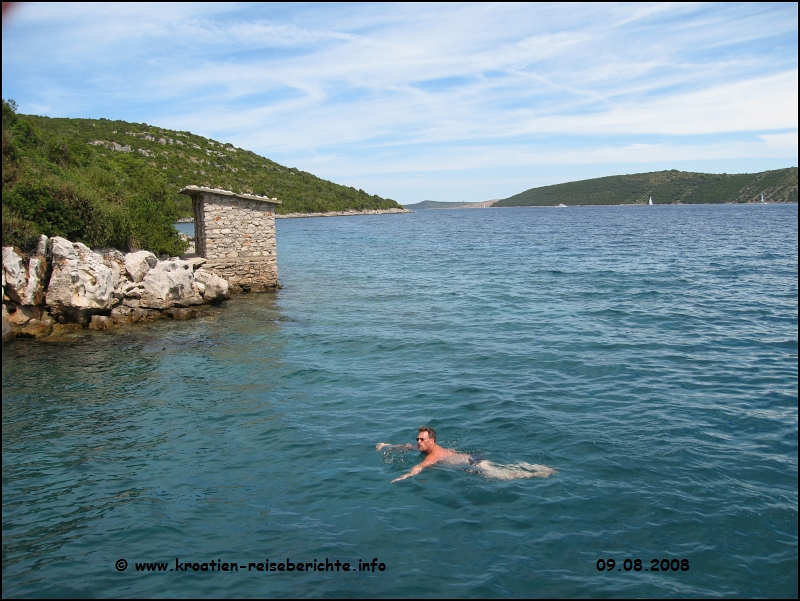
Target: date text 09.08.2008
(656, 565)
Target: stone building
(235, 233)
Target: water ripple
(649, 354)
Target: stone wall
(238, 228)
(246, 275)
(237, 237)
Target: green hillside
(115, 183)
(434, 204)
(665, 187)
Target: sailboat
(651, 201)
(762, 199)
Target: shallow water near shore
(649, 354)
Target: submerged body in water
(513, 471)
(435, 454)
(499, 471)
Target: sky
(448, 102)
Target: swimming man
(426, 444)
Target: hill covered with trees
(435, 204)
(665, 187)
(115, 183)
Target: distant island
(664, 187)
(435, 204)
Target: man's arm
(416, 469)
(399, 447)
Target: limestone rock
(16, 277)
(23, 314)
(196, 262)
(8, 334)
(133, 314)
(24, 284)
(35, 290)
(131, 289)
(212, 287)
(115, 275)
(60, 247)
(112, 254)
(81, 283)
(139, 263)
(113, 259)
(41, 248)
(128, 291)
(65, 328)
(182, 312)
(121, 314)
(101, 322)
(36, 328)
(168, 284)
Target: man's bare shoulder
(445, 456)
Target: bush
(57, 186)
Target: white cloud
(465, 159)
(782, 143)
(396, 88)
(762, 103)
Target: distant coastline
(490, 204)
(351, 213)
(665, 187)
(644, 204)
(432, 205)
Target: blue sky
(452, 102)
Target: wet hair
(431, 432)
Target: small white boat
(651, 201)
(558, 206)
(762, 199)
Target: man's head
(426, 439)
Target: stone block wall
(246, 275)
(237, 237)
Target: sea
(646, 354)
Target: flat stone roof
(192, 190)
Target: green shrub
(56, 185)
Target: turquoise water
(649, 354)
(186, 228)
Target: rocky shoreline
(66, 285)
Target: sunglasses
(421, 439)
